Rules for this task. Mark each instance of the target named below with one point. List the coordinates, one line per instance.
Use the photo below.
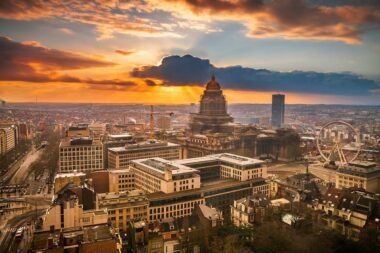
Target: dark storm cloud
(189, 70)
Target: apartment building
(120, 157)
(157, 174)
(123, 206)
(81, 154)
(364, 175)
(8, 139)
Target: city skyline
(314, 52)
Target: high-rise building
(82, 155)
(278, 110)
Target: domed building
(212, 131)
(212, 116)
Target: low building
(73, 207)
(123, 206)
(63, 179)
(81, 155)
(121, 157)
(90, 239)
(364, 175)
(348, 210)
(250, 210)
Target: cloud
(31, 62)
(108, 16)
(66, 30)
(189, 70)
(290, 19)
(123, 52)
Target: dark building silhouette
(278, 110)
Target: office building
(365, 175)
(123, 206)
(120, 157)
(278, 110)
(121, 180)
(115, 140)
(81, 155)
(157, 174)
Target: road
(8, 242)
(21, 174)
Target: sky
(164, 51)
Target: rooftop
(150, 144)
(120, 136)
(160, 165)
(73, 174)
(225, 157)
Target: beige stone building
(157, 174)
(121, 180)
(66, 212)
(120, 157)
(364, 175)
(81, 154)
(7, 139)
(123, 206)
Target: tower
(278, 110)
(212, 116)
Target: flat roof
(126, 170)
(72, 174)
(144, 145)
(80, 141)
(159, 165)
(225, 157)
(119, 136)
(122, 194)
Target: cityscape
(189, 126)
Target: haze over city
(189, 126)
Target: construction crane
(151, 120)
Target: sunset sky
(164, 51)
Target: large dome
(213, 84)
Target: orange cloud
(123, 52)
(290, 19)
(66, 30)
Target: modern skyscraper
(278, 110)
